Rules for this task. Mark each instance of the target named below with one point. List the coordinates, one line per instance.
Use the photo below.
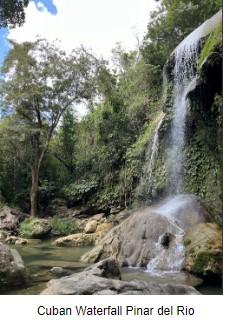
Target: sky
(96, 24)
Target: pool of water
(207, 288)
(39, 258)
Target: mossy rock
(35, 228)
(203, 250)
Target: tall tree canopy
(12, 12)
(40, 83)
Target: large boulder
(10, 219)
(12, 269)
(150, 231)
(104, 278)
(204, 250)
(134, 241)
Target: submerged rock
(12, 269)
(60, 272)
(103, 278)
(204, 250)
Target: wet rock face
(12, 269)
(204, 250)
(10, 219)
(145, 233)
(166, 239)
(103, 278)
(134, 241)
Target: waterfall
(185, 76)
(152, 153)
(168, 259)
(151, 156)
(182, 211)
(184, 81)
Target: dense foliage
(12, 12)
(98, 158)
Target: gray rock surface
(12, 269)
(135, 241)
(60, 272)
(10, 219)
(103, 279)
(40, 229)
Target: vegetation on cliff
(47, 151)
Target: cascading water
(184, 80)
(185, 76)
(168, 259)
(171, 257)
(151, 155)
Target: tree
(64, 147)
(40, 83)
(12, 12)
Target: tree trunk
(34, 191)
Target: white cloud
(97, 24)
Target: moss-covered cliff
(203, 136)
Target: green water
(206, 288)
(40, 258)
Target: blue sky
(4, 45)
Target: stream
(39, 258)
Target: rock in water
(104, 278)
(12, 269)
(59, 272)
(204, 250)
